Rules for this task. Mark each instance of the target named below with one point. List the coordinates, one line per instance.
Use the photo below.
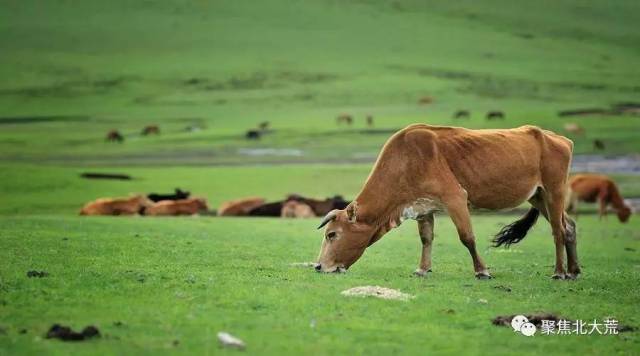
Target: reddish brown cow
(423, 169)
(114, 136)
(178, 207)
(593, 188)
(346, 118)
(240, 207)
(116, 206)
(425, 100)
(573, 128)
(151, 130)
(295, 209)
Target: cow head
(201, 204)
(345, 239)
(624, 213)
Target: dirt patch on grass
(303, 264)
(65, 333)
(37, 274)
(535, 319)
(378, 292)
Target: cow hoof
(421, 273)
(483, 275)
(558, 276)
(571, 276)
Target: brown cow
(114, 136)
(150, 130)
(423, 169)
(346, 118)
(425, 100)
(369, 119)
(598, 145)
(178, 207)
(239, 207)
(264, 126)
(495, 115)
(117, 206)
(593, 188)
(573, 128)
(295, 209)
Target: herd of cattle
(591, 188)
(180, 203)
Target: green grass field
(71, 71)
(186, 279)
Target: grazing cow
(295, 209)
(178, 207)
(593, 188)
(177, 195)
(462, 114)
(344, 118)
(573, 128)
(264, 126)
(495, 115)
(150, 130)
(599, 145)
(422, 169)
(369, 120)
(117, 206)
(114, 136)
(425, 100)
(240, 207)
(252, 135)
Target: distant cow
(573, 128)
(114, 136)
(495, 115)
(252, 135)
(177, 195)
(321, 207)
(240, 207)
(599, 145)
(295, 209)
(369, 120)
(116, 206)
(151, 130)
(461, 114)
(425, 100)
(268, 209)
(178, 207)
(344, 118)
(264, 126)
(593, 188)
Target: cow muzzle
(337, 269)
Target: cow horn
(330, 216)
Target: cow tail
(517, 230)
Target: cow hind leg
(564, 233)
(425, 228)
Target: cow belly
(502, 199)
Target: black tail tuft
(517, 230)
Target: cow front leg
(425, 229)
(459, 213)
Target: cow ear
(352, 211)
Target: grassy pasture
(186, 279)
(72, 70)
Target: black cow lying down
(319, 207)
(177, 195)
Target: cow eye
(331, 235)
